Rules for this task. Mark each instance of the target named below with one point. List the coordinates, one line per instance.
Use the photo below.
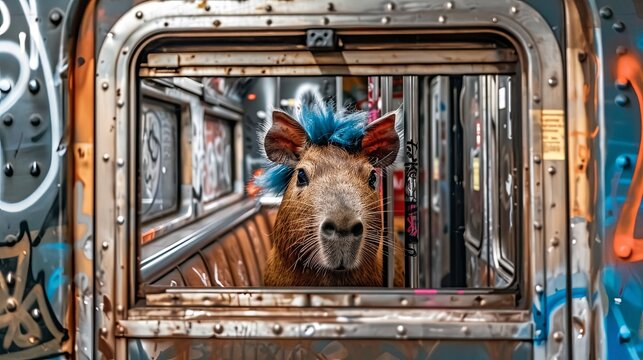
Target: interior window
(202, 134)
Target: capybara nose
(330, 229)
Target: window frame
(539, 60)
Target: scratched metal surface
(326, 349)
(35, 243)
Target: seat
(172, 279)
(217, 262)
(236, 261)
(247, 250)
(195, 273)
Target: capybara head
(330, 218)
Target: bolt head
(618, 26)
(35, 313)
(34, 169)
(34, 86)
(139, 14)
(621, 100)
(218, 328)
(35, 120)
(514, 10)
(55, 17)
(105, 245)
(401, 330)
(7, 119)
(551, 170)
(5, 85)
(442, 19)
(8, 169)
(120, 219)
(277, 329)
(105, 157)
(386, 20)
(605, 12)
(552, 81)
(450, 5)
(105, 85)
(11, 305)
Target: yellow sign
(553, 127)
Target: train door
(184, 272)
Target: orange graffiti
(626, 246)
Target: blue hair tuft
(324, 126)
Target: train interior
(202, 133)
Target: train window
(469, 178)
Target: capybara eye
(302, 178)
(372, 179)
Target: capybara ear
(381, 141)
(285, 140)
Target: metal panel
(526, 27)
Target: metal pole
(387, 179)
(411, 165)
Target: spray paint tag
(553, 128)
(475, 167)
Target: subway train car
(132, 224)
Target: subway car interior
(203, 222)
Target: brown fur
(292, 260)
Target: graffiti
(26, 321)
(37, 57)
(626, 246)
(159, 155)
(411, 208)
(217, 167)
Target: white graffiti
(38, 55)
(6, 18)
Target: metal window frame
(540, 59)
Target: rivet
(624, 334)
(494, 19)
(401, 330)
(582, 56)
(551, 170)
(35, 313)
(530, 46)
(139, 14)
(621, 50)
(207, 7)
(385, 20)
(623, 161)
(105, 245)
(621, 100)
(465, 330)
(7, 119)
(216, 23)
(103, 331)
(622, 83)
(35, 119)
(120, 162)
(12, 304)
(404, 302)
(618, 26)
(390, 6)
(450, 5)
(554, 241)
(34, 169)
(120, 103)
(442, 19)
(514, 10)
(605, 12)
(105, 85)
(552, 81)
(33, 340)
(536, 159)
(558, 336)
(120, 329)
(218, 328)
(624, 251)
(105, 157)
(119, 309)
(268, 22)
(325, 21)
(34, 86)
(536, 99)
(277, 329)
(5, 85)
(538, 333)
(55, 16)
(339, 329)
(10, 278)
(539, 289)
(268, 8)
(538, 225)
(120, 219)
(8, 170)
(330, 6)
